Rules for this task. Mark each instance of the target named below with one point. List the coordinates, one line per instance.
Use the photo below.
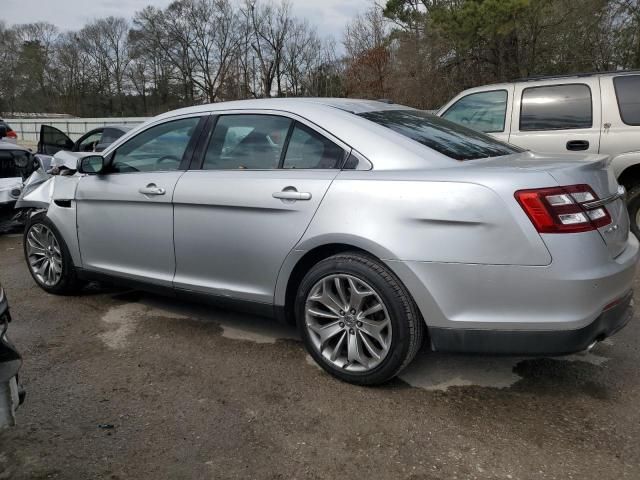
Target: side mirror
(91, 165)
(3, 131)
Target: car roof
(346, 104)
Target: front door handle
(152, 189)
(291, 194)
(577, 145)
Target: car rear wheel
(357, 320)
(633, 205)
(48, 257)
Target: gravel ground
(123, 384)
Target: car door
(552, 117)
(620, 114)
(486, 111)
(125, 216)
(237, 217)
(52, 140)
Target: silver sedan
(373, 226)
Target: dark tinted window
(252, 142)
(448, 138)
(628, 93)
(309, 149)
(159, 148)
(110, 135)
(557, 107)
(14, 163)
(483, 111)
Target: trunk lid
(592, 170)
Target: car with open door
(52, 139)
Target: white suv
(593, 113)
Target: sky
(329, 16)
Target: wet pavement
(124, 384)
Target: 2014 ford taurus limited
(371, 225)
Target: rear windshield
(628, 93)
(443, 136)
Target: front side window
(483, 111)
(308, 149)
(556, 107)
(253, 142)
(443, 136)
(158, 148)
(628, 94)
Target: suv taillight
(12, 134)
(563, 209)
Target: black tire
(407, 323)
(633, 206)
(68, 284)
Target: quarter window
(557, 107)
(628, 94)
(308, 149)
(483, 111)
(158, 148)
(252, 142)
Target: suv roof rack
(570, 75)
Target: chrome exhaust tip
(592, 345)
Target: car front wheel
(357, 320)
(48, 257)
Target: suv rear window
(628, 94)
(443, 136)
(556, 107)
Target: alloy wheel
(348, 323)
(44, 254)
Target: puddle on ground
(123, 320)
(235, 326)
(429, 371)
(439, 371)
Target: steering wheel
(168, 158)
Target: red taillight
(11, 134)
(563, 209)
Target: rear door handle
(577, 145)
(292, 195)
(152, 189)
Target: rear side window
(443, 136)
(628, 95)
(308, 149)
(483, 111)
(253, 142)
(556, 107)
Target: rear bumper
(535, 342)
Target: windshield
(12, 163)
(443, 136)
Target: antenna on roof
(386, 100)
